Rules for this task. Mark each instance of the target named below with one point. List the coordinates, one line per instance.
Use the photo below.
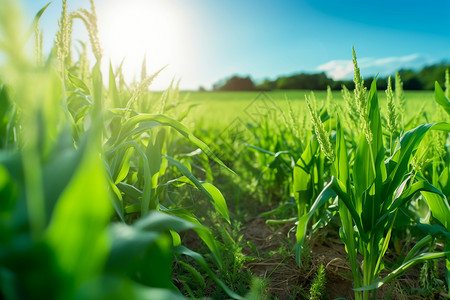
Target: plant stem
(390, 144)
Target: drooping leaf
(400, 270)
(214, 195)
(399, 161)
(440, 209)
(203, 232)
(158, 222)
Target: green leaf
(422, 186)
(130, 191)
(341, 162)
(441, 126)
(40, 12)
(78, 83)
(131, 246)
(154, 264)
(37, 17)
(8, 192)
(5, 108)
(186, 111)
(303, 181)
(111, 287)
(346, 199)
(203, 232)
(146, 203)
(398, 163)
(208, 189)
(159, 222)
(79, 105)
(400, 270)
(128, 244)
(112, 89)
(80, 217)
(444, 182)
(59, 170)
(97, 94)
(116, 199)
(153, 153)
(435, 230)
(440, 209)
(121, 165)
(326, 194)
(418, 246)
(166, 121)
(369, 170)
(440, 98)
(218, 200)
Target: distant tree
(267, 85)
(201, 89)
(236, 83)
(425, 78)
(413, 83)
(337, 85)
(412, 80)
(217, 86)
(318, 81)
(429, 74)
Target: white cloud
(337, 69)
(343, 69)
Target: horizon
(204, 42)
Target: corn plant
(312, 169)
(72, 153)
(370, 190)
(133, 146)
(295, 160)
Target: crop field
(220, 108)
(111, 191)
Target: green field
(219, 108)
(111, 191)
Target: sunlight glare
(134, 28)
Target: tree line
(412, 80)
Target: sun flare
(133, 29)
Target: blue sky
(204, 41)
